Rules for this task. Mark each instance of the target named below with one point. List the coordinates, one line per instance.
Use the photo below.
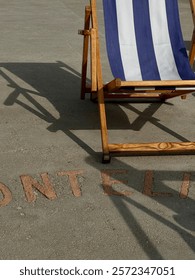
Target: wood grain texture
(154, 148)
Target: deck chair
(147, 57)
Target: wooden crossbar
(154, 148)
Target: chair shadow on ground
(59, 84)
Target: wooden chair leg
(85, 52)
(103, 124)
(192, 49)
(93, 61)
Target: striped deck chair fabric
(144, 40)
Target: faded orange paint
(185, 186)
(46, 189)
(72, 175)
(148, 183)
(148, 186)
(7, 195)
(107, 182)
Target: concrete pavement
(57, 201)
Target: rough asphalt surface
(57, 200)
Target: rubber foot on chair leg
(106, 158)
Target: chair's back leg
(93, 61)
(85, 51)
(192, 49)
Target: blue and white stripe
(144, 40)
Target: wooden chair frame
(147, 90)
